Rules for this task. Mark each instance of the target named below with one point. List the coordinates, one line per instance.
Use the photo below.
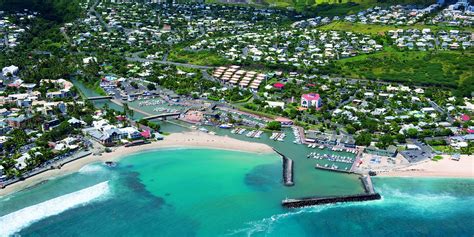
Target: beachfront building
(391, 151)
(311, 100)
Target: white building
(13, 70)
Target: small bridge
(163, 116)
(99, 97)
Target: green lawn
(259, 113)
(328, 7)
(337, 7)
(381, 29)
(442, 68)
(206, 58)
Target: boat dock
(287, 169)
(333, 169)
(357, 160)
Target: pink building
(311, 100)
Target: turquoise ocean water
(205, 192)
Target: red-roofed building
(279, 85)
(311, 100)
(121, 118)
(465, 118)
(284, 121)
(146, 134)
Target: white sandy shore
(175, 140)
(464, 168)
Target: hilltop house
(18, 122)
(311, 100)
(10, 70)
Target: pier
(163, 116)
(287, 169)
(100, 98)
(334, 170)
(357, 160)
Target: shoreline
(445, 168)
(194, 139)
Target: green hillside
(53, 10)
(327, 7)
(339, 7)
(443, 68)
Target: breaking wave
(428, 203)
(15, 221)
(266, 225)
(92, 168)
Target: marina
(236, 118)
(278, 136)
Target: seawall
(367, 183)
(369, 195)
(302, 202)
(287, 169)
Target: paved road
(56, 162)
(99, 17)
(206, 75)
(440, 110)
(137, 59)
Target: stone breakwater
(287, 169)
(369, 195)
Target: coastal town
(236, 118)
(132, 74)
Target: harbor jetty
(287, 169)
(367, 183)
(369, 195)
(303, 202)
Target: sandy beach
(175, 140)
(464, 168)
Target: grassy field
(443, 68)
(337, 7)
(327, 7)
(206, 58)
(381, 29)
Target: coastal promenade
(53, 164)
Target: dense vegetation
(199, 58)
(338, 7)
(51, 10)
(382, 29)
(445, 68)
(42, 37)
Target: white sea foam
(266, 225)
(15, 221)
(391, 197)
(92, 168)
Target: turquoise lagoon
(206, 192)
